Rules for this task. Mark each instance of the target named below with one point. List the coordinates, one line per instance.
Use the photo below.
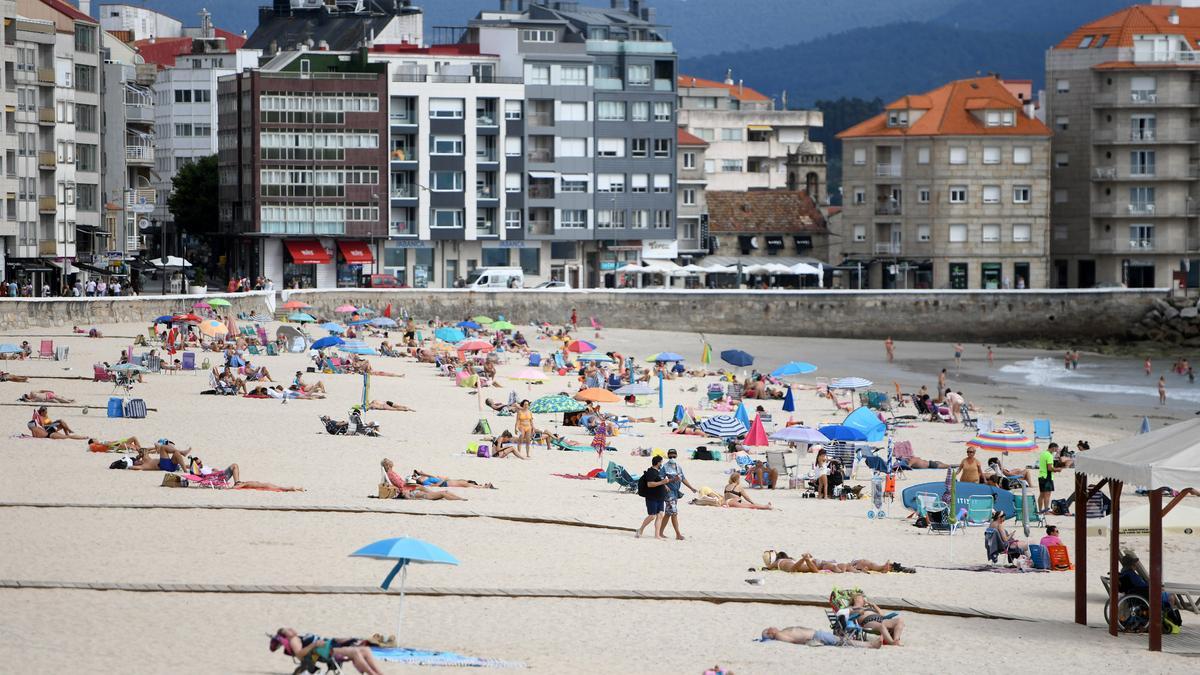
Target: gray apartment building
(1122, 101)
(947, 189)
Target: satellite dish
(754, 243)
(144, 224)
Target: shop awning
(759, 127)
(774, 241)
(307, 252)
(356, 251)
(543, 174)
(803, 242)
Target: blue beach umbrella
(737, 357)
(332, 327)
(327, 341)
(789, 403)
(301, 317)
(468, 324)
(383, 322)
(449, 334)
(741, 415)
(404, 550)
(598, 358)
(165, 318)
(723, 426)
(9, 348)
(792, 368)
(664, 356)
(838, 432)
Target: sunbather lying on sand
(800, 635)
(44, 396)
(388, 405)
(806, 563)
(354, 650)
(41, 426)
(9, 377)
(279, 392)
(709, 497)
(163, 456)
(501, 407)
(233, 473)
(413, 490)
(123, 444)
(430, 480)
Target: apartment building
(55, 125)
(1123, 99)
(692, 204)
(948, 189)
(749, 139)
(8, 123)
(142, 23)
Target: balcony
(46, 204)
(139, 114)
(403, 155)
(1105, 173)
(486, 156)
(542, 227)
(540, 192)
(402, 229)
(1141, 244)
(404, 192)
(1142, 134)
(663, 84)
(45, 76)
(1141, 208)
(139, 154)
(629, 47)
(540, 119)
(485, 192)
(135, 242)
(540, 155)
(143, 198)
(887, 248)
(1143, 96)
(402, 118)
(46, 117)
(485, 120)
(486, 228)
(888, 170)
(46, 160)
(608, 83)
(888, 209)
(48, 248)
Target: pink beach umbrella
(474, 346)
(346, 309)
(202, 305)
(757, 434)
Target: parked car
(560, 285)
(496, 277)
(381, 281)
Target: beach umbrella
(757, 434)
(474, 346)
(556, 403)
(706, 354)
(218, 302)
(345, 309)
(366, 392)
(501, 325)
(186, 318)
(664, 356)
(481, 319)
(792, 368)
(129, 368)
(301, 317)
(838, 432)
(213, 328)
(1002, 441)
(165, 318)
(598, 358)
(1145, 426)
(789, 403)
(361, 350)
(449, 335)
(799, 434)
(9, 348)
(404, 551)
(597, 395)
(468, 324)
(367, 311)
(723, 426)
(741, 415)
(530, 374)
(635, 389)
(382, 322)
(328, 341)
(358, 322)
(295, 304)
(737, 357)
(580, 346)
(850, 383)
(202, 305)
(333, 327)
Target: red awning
(307, 252)
(356, 251)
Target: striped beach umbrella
(850, 383)
(723, 426)
(1002, 441)
(580, 346)
(556, 403)
(597, 358)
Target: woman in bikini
(806, 563)
(524, 427)
(430, 480)
(388, 405)
(872, 620)
(413, 491)
(44, 396)
(736, 497)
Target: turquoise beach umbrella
(403, 550)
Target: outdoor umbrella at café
(723, 426)
(403, 550)
(737, 357)
(597, 395)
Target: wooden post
(1080, 548)
(1156, 623)
(1114, 555)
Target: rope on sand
(312, 508)
(792, 599)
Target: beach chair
(271, 350)
(154, 363)
(1013, 426)
(983, 424)
(1041, 430)
(924, 501)
(735, 391)
(778, 460)
(1029, 504)
(900, 397)
(994, 546)
(189, 361)
(46, 349)
(938, 517)
(220, 387)
(253, 349)
(262, 334)
(979, 509)
(843, 624)
(967, 420)
(100, 374)
(619, 475)
(61, 353)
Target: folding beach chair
(189, 361)
(938, 517)
(1041, 430)
(100, 374)
(153, 363)
(979, 509)
(46, 349)
(994, 546)
(619, 475)
(778, 460)
(967, 420)
(1029, 504)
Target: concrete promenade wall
(1085, 315)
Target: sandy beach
(120, 527)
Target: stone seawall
(1082, 315)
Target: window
(1086, 41)
(1142, 127)
(1062, 122)
(1000, 118)
(923, 194)
(513, 220)
(446, 218)
(958, 155)
(1060, 196)
(85, 38)
(731, 134)
(923, 155)
(537, 35)
(991, 154)
(445, 145)
(689, 196)
(202, 129)
(201, 96)
(897, 118)
(923, 233)
(183, 95)
(958, 194)
(449, 108)
(1141, 200)
(85, 197)
(512, 182)
(1022, 232)
(610, 182)
(706, 134)
(512, 110)
(577, 184)
(641, 113)
(572, 112)
(860, 195)
(610, 111)
(860, 156)
(537, 74)
(639, 147)
(512, 146)
(662, 147)
(574, 74)
(1062, 160)
(662, 183)
(446, 181)
(991, 233)
(991, 194)
(958, 233)
(860, 233)
(531, 263)
(1141, 236)
(573, 219)
(572, 147)
(639, 183)
(710, 166)
(1021, 194)
(1062, 86)
(1143, 89)
(689, 160)
(640, 218)
(1022, 154)
(731, 166)
(610, 147)
(662, 111)
(637, 75)
(1141, 163)
(1101, 41)
(85, 157)
(609, 219)
(662, 220)
(85, 78)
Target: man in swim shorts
(814, 638)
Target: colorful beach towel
(421, 657)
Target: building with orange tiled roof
(749, 138)
(1122, 100)
(947, 189)
(691, 202)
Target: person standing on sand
(653, 488)
(1146, 366)
(942, 380)
(969, 470)
(1075, 359)
(890, 348)
(574, 319)
(672, 471)
(524, 428)
(1046, 471)
(991, 357)
(958, 352)
(1162, 390)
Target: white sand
(55, 630)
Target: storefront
(300, 267)
(352, 256)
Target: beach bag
(174, 480)
(1060, 507)
(1039, 556)
(116, 407)
(484, 451)
(702, 453)
(388, 491)
(135, 408)
(482, 427)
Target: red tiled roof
(162, 52)
(741, 93)
(763, 211)
(68, 10)
(949, 113)
(1121, 26)
(682, 137)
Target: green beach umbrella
(482, 319)
(556, 403)
(218, 302)
(501, 325)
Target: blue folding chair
(1041, 430)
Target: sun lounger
(563, 445)
(99, 374)
(1041, 430)
(967, 420)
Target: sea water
(1113, 380)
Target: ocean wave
(1109, 379)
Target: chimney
(1173, 17)
(729, 76)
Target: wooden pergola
(1162, 459)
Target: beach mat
(984, 567)
(421, 657)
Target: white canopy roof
(632, 268)
(1168, 457)
(171, 261)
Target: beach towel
(421, 657)
(998, 569)
(594, 473)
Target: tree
(839, 116)
(193, 200)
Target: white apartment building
(141, 22)
(8, 159)
(127, 157)
(748, 139)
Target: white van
(496, 277)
